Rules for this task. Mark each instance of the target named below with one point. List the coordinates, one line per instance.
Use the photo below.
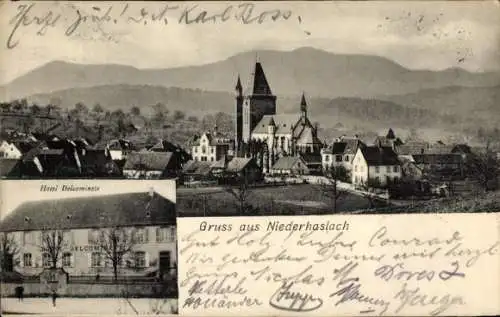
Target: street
(65, 305)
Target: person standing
(54, 297)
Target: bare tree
(240, 192)
(331, 189)
(8, 251)
(53, 244)
(116, 243)
(485, 168)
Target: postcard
(269, 157)
(88, 247)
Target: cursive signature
(415, 297)
(349, 289)
(286, 299)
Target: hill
(484, 102)
(351, 112)
(319, 73)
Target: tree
(136, 111)
(81, 108)
(160, 113)
(179, 115)
(53, 244)
(98, 109)
(35, 109)
(116, 243)
(331, 189)
(485, 168)
(8, 251)
(241, 191)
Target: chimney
(151, 192)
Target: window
(68, 236)
(377, 169)
(212, 150)
(141, 235)
(355, 168)
(346, 158)
(338, 158)
(327, 158)
(203, 158)
(195, 149)
(165, 234)
(28, 237)
(196, 159)
(388, 169)
(140, 259)
(96, 259)
(203, 149)
(93, 236)
(66, 259)
(46, 261)
(395, 169)
(211, 159)
(27, 260)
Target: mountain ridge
(317, 72)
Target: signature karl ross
(288, 299)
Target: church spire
(258, 84)
(238, 88)
(303, 106)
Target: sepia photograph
(98, 247)
(397, 114)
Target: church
(266, 135)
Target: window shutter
(146, 235)
(146, 259)
(21, 263)
(89, 258)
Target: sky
(418, 35)
(11, 198)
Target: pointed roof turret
(238, 84)
(303, 103)
(390, 134)
(258, 84)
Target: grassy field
(303, 199)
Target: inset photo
(91, 247)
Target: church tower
(239, 115)
(258, 100)
(303, 106)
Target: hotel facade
(86, 236)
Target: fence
(88, 286)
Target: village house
(98, 163)
(119, 149)
(143, 222)
(151, 165)
(243, 168)
(210, 147)
(340, 153)
(375, 165)
(10, 168)
(55, 158)
(435, 159)
(290, 165)
(10, 150)
(165, 146)
(197, 173)
(389, 140)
